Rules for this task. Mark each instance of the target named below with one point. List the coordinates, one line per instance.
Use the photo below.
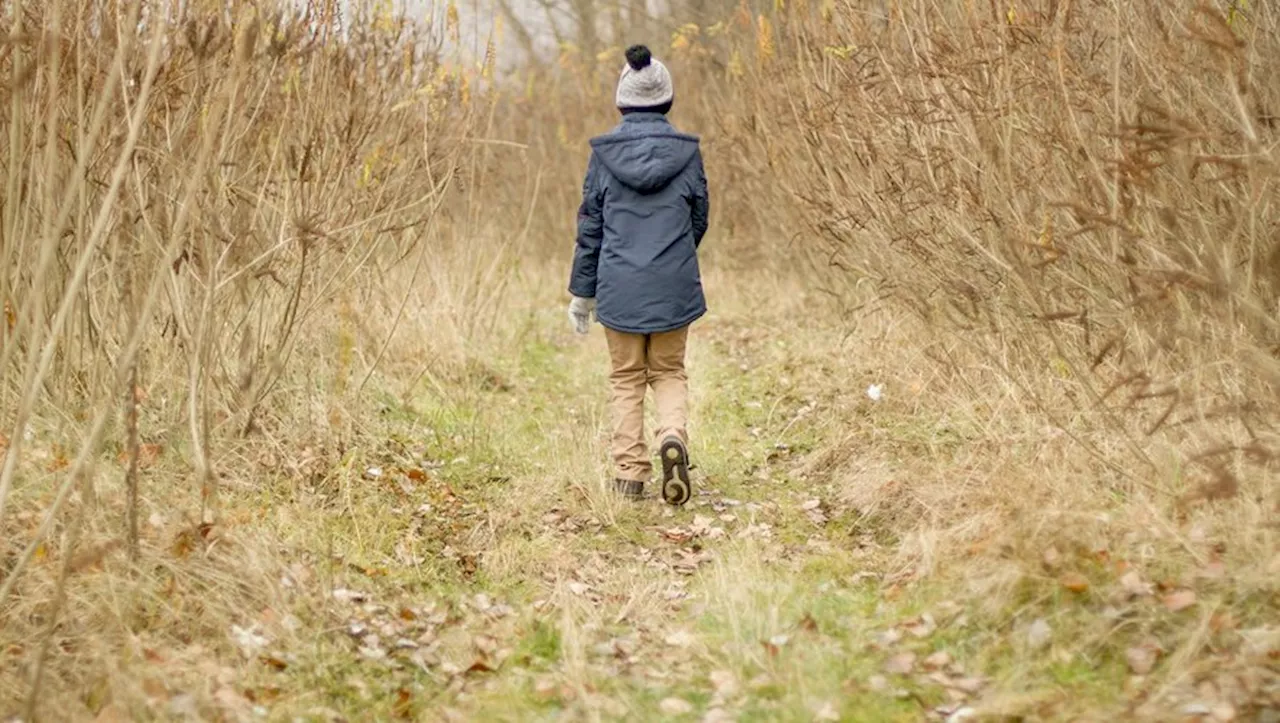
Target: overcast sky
(477, 17)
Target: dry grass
(282, 316)
(191, 209)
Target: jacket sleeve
(699, 200)
(586, 255)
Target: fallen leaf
(1052, 558)
(91, 558)
(774, 645)
(1075, 582)
(718, 715)
(273, 662)
(969, 685)
(373, 652)
(1141, 658)
(675, 706)
(184, 706)
(1222, 621)
(808, 624)
(149, 454)
(424, 659)
(1179, 600)
(479, 666)
(878, 683)
(485, 644)
(1223, 712)
(678, 535)
(183, 544)
(814, 511)
(921, 627)
(622, 648)
(155, 688)
(938, 660)
(827, 712)
(725, 683)
(680, 639)
(545, 688)
(59, 460)
(450, 715)
(342, 594)
(701, 525)
(233, 703)
(111, 712)
(403, 707)
(248, 639)
(1131, 582)
(941, 678)
(887, 639)
(1198, 710)
(1039, 633)
(370, 571)
(1215, 570)
(901, 664)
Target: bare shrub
(189, 203)
(1083, 194)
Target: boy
(643, 215)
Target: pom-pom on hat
(645, 82)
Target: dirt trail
(525, 590)
(480, 569)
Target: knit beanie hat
(645, 82)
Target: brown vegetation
(239, 249)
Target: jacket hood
(645, 156)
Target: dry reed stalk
(183, 205)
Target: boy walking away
(643, 215)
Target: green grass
(518, 450)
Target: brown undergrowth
(284, 367)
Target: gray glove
(580, 311)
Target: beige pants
(642, 361)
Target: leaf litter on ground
(1179, 600)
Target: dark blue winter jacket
(643, 215)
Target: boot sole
(676, 487)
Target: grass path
(479, 569)
(504, 582)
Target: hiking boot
(676, 487)
(632, 489)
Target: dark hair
(638, 57)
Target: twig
(131, 476)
